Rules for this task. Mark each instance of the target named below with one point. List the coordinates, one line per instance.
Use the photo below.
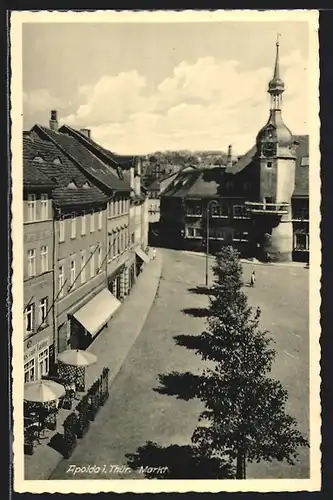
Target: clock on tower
(269, 149)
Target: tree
(245, 417)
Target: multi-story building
(128, 169)
(83, 303)
(38, 248)
(259, 204)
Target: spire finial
(277, 39)
(277, 62)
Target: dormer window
(57, 161)
(72, 185)
(86, 185)
(39, 159)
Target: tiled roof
(61, 173)
(114, 160)
(211, 182)
(33, 177)
(88, 162)
(243, 162)
(302, 171)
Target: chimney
(86, 132)
(54, 121)
(229, 158)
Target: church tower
(276, 164)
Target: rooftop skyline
(143, 87)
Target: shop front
(88, 321)
(141, 259)
(37, 354)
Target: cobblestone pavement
(135, 413)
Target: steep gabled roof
(113, 160)
(85, 159)
(61, 173)
(243, 162)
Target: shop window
(301, 242)
(29, 371)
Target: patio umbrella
(43, 391)
(77, 358)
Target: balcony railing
(267, 208)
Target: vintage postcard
(166, 251)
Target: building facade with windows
(82, 302)
(260, 204)
(127, 211)
(38, 247)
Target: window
(31, 207)
(99, 259)
(72, 274)
(43, 362)
(43, 312)
(229, 185)
(246, 186)
(83, 268)
(194, 232)
(73, 226)
(240, 236)
(92, 222)
(29, 318)
(92, 262)
(219, 211)
(61, 230)
(31, 262)
(301, 242)
(117, 242)
(217, 233)
(29, 371)
(83, 224)
(100, 220)
(305, 161)
(269, 164)
(44, 206)
(194, 209)
(240, 212)
(44, 267)
(61, 281)
(132, 238)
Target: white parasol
(43, 391)
(76, 357)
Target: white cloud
(40, 100)
(205, 105)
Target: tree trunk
(240, 465)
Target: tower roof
(276, 85)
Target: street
(136, 413)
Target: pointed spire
(277, 59)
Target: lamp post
(211, 202)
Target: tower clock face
(269, 149)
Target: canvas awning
(142, 255)
(94, 315)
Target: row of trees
(245, 416)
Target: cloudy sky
(156, 86)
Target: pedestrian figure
(154, 253)
(268, 258)
(253, 279)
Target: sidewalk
(111, 347)
(254, 262)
